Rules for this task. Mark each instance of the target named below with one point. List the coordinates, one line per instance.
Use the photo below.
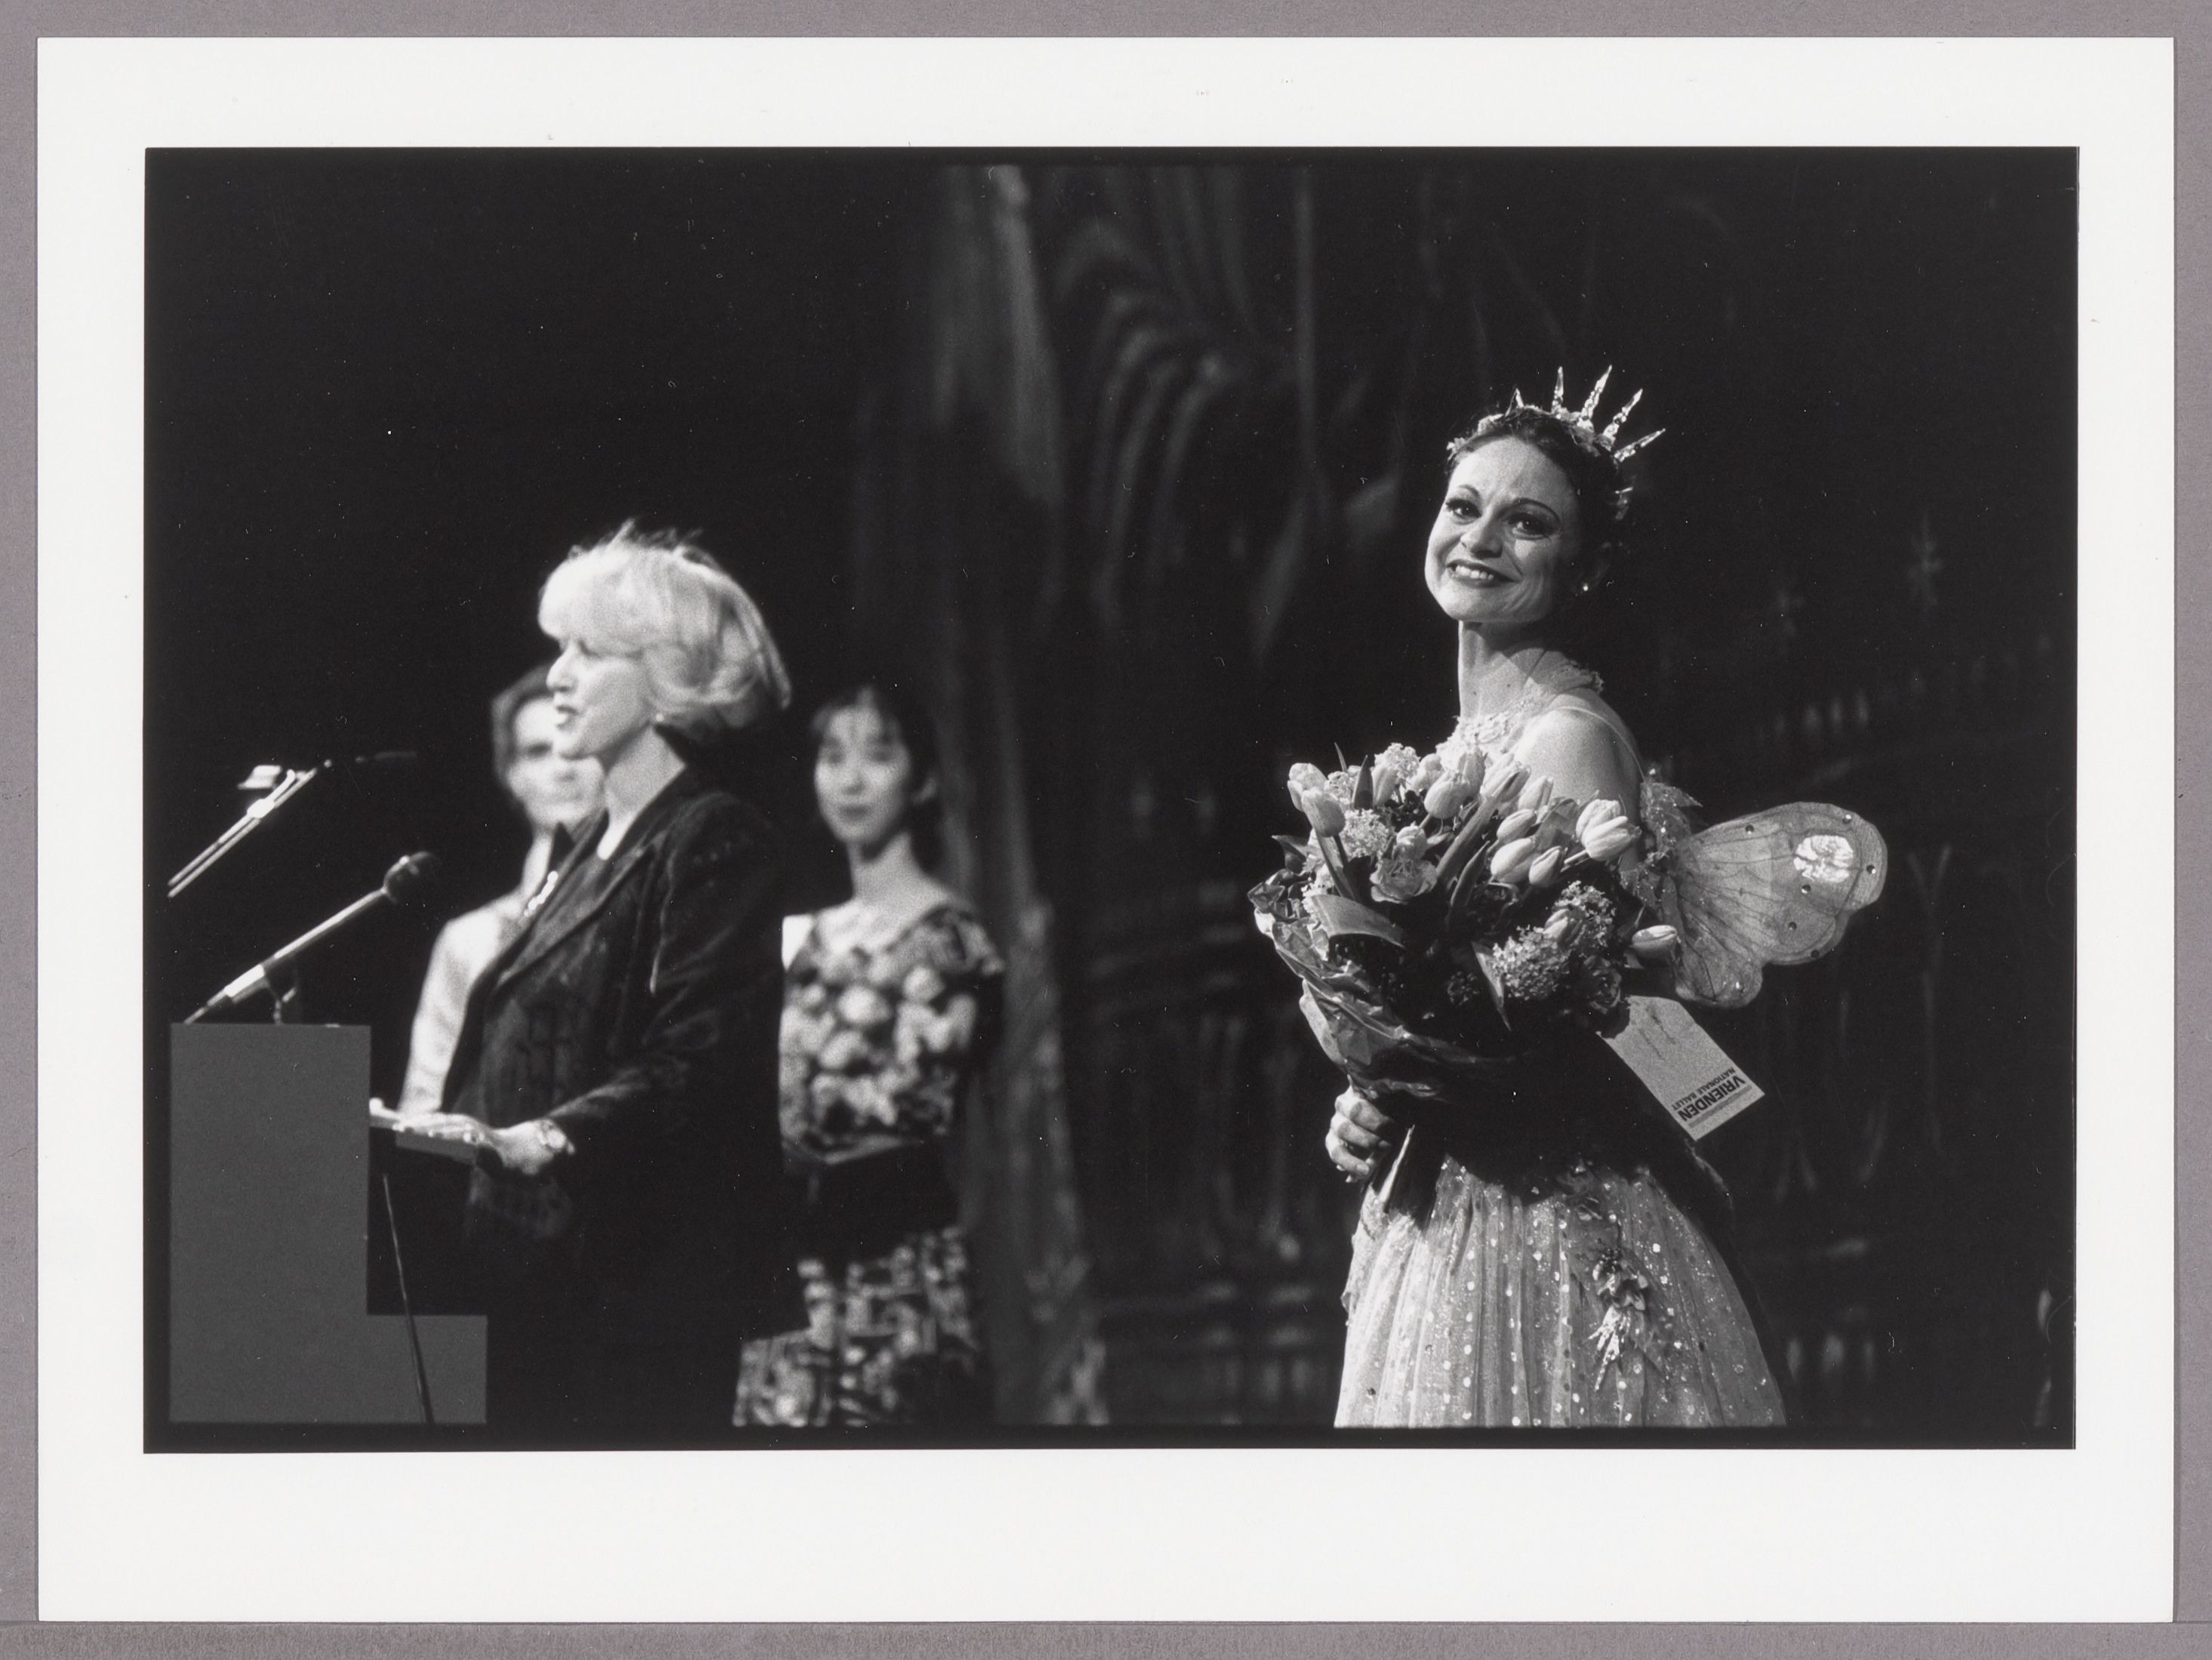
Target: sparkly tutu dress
(1547, 1259)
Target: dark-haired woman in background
(891, 1003)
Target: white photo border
(1329, 1533)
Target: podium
(272, 1210)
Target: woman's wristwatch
(551, 1137)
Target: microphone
(269, 774)
(272, 786)
(404, 883)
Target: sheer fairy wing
(1775, 887)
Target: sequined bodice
(1550, 676)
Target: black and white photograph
(1177, 820)
(810, 658)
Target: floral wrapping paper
(878, 1049)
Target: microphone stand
(407, 1306)
(402, 884)
(206, 859)
(283, 979)
(277, 975)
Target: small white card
(1691, 1076)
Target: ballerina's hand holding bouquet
(1473, 926)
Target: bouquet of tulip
(1445, 917)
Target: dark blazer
(641, 1018)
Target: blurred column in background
(957, 497)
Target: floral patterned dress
(880, 1044)
(1557, 1269)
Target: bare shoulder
(1584, 748)
(929, 894)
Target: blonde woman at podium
(617, 1065)
(556, 793)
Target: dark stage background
(1127, 462)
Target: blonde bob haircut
(710, 664)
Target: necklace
(536, 902)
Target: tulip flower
(1425, 772)
(1470, 769)
(1603, 831)
(1592, 815)
(1514, 825)
(1562, 928)
(1535, 793)
(1411, 843)
(1305, 777)
(1445, 798)
(1503, 783)
(1596, 817)
(1655, 941)
(1323, 812)
(1385, 780)
(1512, 858)
(1545, 866)
(1609, 840)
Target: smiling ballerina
(1546, 1258)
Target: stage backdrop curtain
(958, 488)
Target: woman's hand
(525, 1149)
(1361, 1136)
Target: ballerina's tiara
(1581, 422)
